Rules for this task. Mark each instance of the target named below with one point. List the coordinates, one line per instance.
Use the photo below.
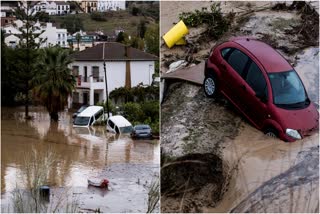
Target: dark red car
(263, 86)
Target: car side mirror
(262, 96)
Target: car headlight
(293, 133)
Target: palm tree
(53, 81)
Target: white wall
(141, 71)
(11, 41)
(111, 5)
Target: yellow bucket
(175, 34)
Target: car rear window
(238, 61)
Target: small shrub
(135, 11)
(98, 16)
(216, 22)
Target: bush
(98, 16)
(135, 11)
(216, 22)
(133, 112)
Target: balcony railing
(98, 79)
(81, 79)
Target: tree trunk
(26, 103)
(54, 116)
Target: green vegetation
(73, 23)
(152, 39)
(26, 53)
(138, 104)
(53, 81)
(216, 22)
(114, 20)
(98, 16)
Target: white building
(54, 36)
(12, 41)
(125, 66)
(52, 7)
(111, 5)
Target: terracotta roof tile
(113, 52)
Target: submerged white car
(89, 116)
(119, 125)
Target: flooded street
(260, 174)
(80, 154)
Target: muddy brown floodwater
(251, 172)
(81, 153)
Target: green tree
(152, 39)
(9, 90)
(121, 37)
(141, 28)
(135, 11)
(53, 81)
(72, 23)
(26, 58)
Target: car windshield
(141, 127)
(288, 90)
(81, 109)
(126, 129)
(81, 121)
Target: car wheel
(271, 132)
(210, 86)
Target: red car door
(256, 99)
(231, 70)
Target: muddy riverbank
(251, 162)
(80, 154)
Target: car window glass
(91, 120)
(256, 79)
(238, 61)
(97, 115)
(111, 124)
(224, 52)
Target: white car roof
(89, 111)
(120, 121)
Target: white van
(118, 124)
(89, 116)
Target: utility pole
(105, 78)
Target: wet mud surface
(259, 174)
(180, 180)
(80, 154)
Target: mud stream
(259, 174)
(81, 153)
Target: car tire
(210, 86)
(271, 132)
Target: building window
(75, 70)
(58, 35)
(95, 74)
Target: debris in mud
(176, 65)
(217, 23)
(193, 181)
(187, 129)
(295, 190)
(308, 29)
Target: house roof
(61, 3)
(113, 51)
